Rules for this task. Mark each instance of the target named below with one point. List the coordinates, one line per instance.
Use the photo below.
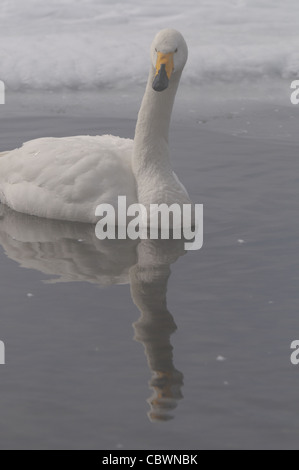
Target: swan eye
(156, 49)
(176, 50)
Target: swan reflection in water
(72, 253)
(149, 280)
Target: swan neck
(152, 129)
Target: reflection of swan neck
(149, 287)
(149, 279)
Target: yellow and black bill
(164, 69)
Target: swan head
(169, 53)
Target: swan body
(67, 178)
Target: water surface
(120, 345)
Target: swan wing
(66, 178)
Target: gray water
(115, 345)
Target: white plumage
(67, 178)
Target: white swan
(67, 178)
